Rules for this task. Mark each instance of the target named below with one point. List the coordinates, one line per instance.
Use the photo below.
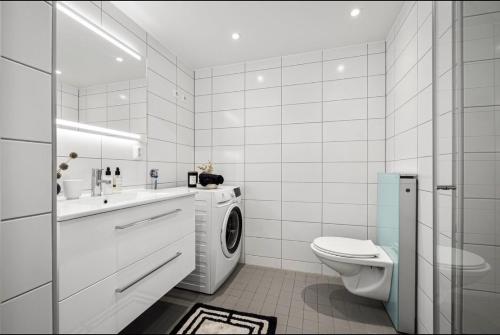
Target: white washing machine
(219, 228)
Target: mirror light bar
(94, 129)
(99, 31)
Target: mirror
(101, 80)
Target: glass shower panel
(444, 173)
(467, 166)
(480, 305)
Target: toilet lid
(347, 247)
(470, 261)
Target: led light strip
(94, 129)
(99, 31)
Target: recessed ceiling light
(119, 59)
(355, 12)
(58, 72)
(123, 96)
(340, 68)
(235, 36)
(260, 79)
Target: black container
(192, 178)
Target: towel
(207, 178)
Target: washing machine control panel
(229, 194)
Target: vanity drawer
(171, 266)
(111, 304)
(166, 223)
(95, 247)
(90, 311)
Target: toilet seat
(470, 261)
(347, 247)
(365, 268)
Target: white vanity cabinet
(114, 265)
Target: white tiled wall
(303, 135)
(67, 102)
(409, 129)
(160, 108)
(120, 105)
(26, 167)
(170, 116)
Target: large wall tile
(263, 228)
(263, 79)
(229, 83)
(26, 189)
(25, 101)
(27, 33)
(227, 101)
(301, 231)
(263, 116)
(302, 113)
(345, 68)
(303, 93)
(26, 254)
(263, 97)
(302, 74)
(345, 89)
(35, 306)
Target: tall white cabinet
(26, 170)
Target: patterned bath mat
(205, 319)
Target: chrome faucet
(96, 183)
(154, 178)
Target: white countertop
(87, 205)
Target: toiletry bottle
(117, 182)
(107, 182)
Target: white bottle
(117, 181)
(107, 182)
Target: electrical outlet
(136, 152)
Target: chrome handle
(446, 187)
(132, 283)
(133, 224)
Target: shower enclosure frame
(456, 189)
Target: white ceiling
(199, 32)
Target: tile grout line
(244, 157)
(281, 159)
(367, 143)
(322, 147)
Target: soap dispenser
(117, 181)
(107, 182)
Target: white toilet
(472, 266)
(365, 268)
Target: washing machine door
(231, 230)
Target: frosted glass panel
(388, 233)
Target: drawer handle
(133, 224)
(132, 283)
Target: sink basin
(87, 205)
